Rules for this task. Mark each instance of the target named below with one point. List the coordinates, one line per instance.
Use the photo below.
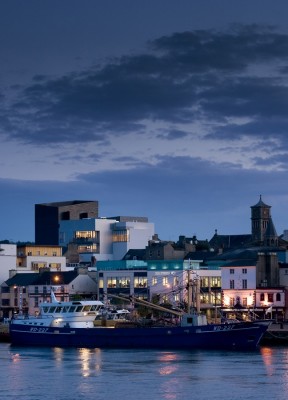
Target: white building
(240, 291)
(8, 259)
(238, 285)
(104, 238)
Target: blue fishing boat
(72, 324)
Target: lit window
(121, 236)
(140, 282)
(165, 280)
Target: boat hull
(232, 336)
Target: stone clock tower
(260, 219)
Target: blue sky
(173, 110)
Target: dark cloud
(181, 195)
(192, 76)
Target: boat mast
(190, 293)
(193, 293)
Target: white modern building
(105, 238)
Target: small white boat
(112, 317)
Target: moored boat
(60, 325)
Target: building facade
(8, 260)
(49, 215)
(32, 258)
(23, 293)
(104, 238)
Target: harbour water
(68, 374)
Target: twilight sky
(173, 110)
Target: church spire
(260, 216)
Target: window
(118, 281)
(175, 281)
(270, 297)
(215, 281)
(231, 301)
(165, 280)
(165, 298)
(244, 283)
(232, 284)
(244, 270)
(88, 248)
(140, 282)
(121, 236)
(278, 296)
(65, 216)
(262, 297)
(56, 266)
(231, 271)
(244, 301)
(83, 215)
(85, 235)
(154, 281)
(176, 297)
(204, 282)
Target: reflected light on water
(85, 358)
(15, 357)
(170, 367)
(167, 358)
(90, 361)
(267, 356)
(58, 354)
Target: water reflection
(267, 356)
(168, 368)
(164, 375)
(91, 361)
(58, 355)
